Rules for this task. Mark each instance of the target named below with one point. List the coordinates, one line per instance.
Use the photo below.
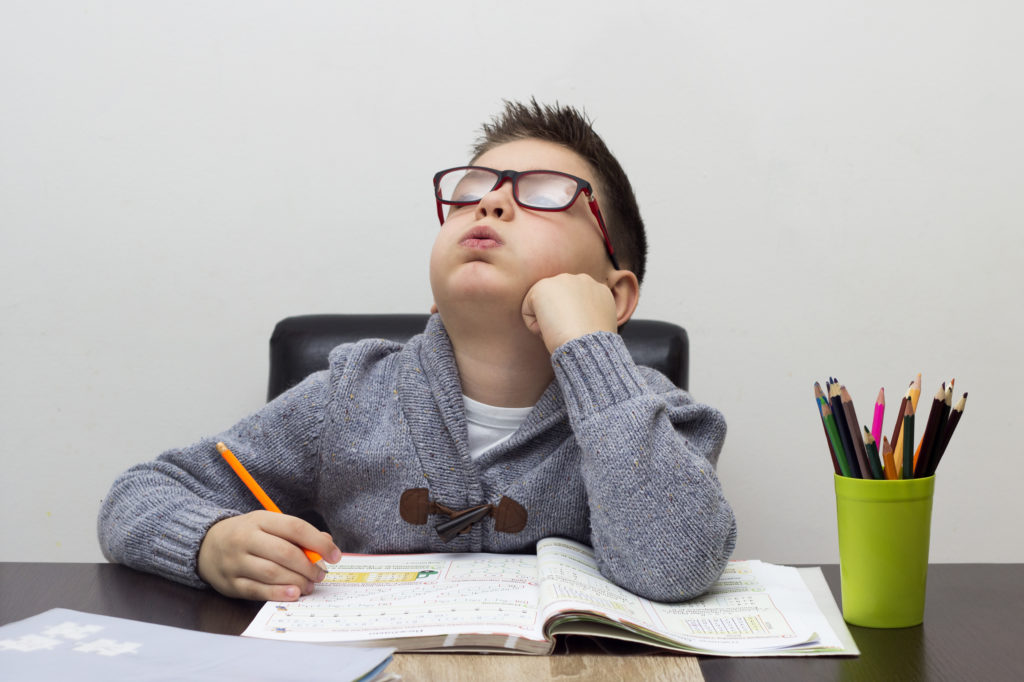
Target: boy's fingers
(333, 554)
(299, 535)
(322, 543)
(271, 551)
(247, 588)
(276, 563)
(564, 307)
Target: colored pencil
(872, 452)
(844, 431)
(897, 436)
(898, 428)
(858, 442)
(931, 431)
(837, 443)
(915, 391)
(262, 496)
(890, 461)
(908, 443)
(819, 399)
(819, 396)
(876, 423)
(947, 433)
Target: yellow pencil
(915, 391)
(264, 499)
(913, 395)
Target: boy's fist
(565, 307)
(259, 556)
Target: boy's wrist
(596, 371)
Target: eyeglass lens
(541, 190)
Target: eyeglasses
(537, 190)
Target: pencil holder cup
(884, 529)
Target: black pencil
(947, 433)
(858, 442)
(844, 430)
(908, 442)
(931, 431)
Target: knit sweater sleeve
(660, 524)
(157, 513)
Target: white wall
(831, 188)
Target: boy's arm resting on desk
(157, 513)
(660, 525)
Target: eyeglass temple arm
(592, 203)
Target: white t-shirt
(489, 425)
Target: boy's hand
(565, 307)
(259, 556)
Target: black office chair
(299, 345)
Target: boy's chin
(480, 304)
(480, 286)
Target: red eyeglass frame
(582, 186)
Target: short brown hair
(571, 128)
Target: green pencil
(872, 453)
(833, 434)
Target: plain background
(830, 188)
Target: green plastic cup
(884, 528)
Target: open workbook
(520, 603)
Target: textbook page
(398, 596)
(753, 607)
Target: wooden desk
(973, 630)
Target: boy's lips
(481, 237)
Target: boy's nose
(499, 202)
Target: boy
(519, 405)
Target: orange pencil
(264, 499)
(890, 461)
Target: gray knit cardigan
(612, 455)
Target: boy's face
(496, 250)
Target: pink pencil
(876, 424)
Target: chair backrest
(299, 345)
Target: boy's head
(571, 129)
(535, 203)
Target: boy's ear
(433, 308)
(626, 292)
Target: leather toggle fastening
(415, 506)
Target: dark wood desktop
(973, 629)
